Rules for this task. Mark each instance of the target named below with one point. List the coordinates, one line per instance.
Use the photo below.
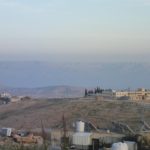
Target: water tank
(119, 146)
(80, 126)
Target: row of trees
(97, 90)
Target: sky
(75, 30)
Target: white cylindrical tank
(80, 126)
(119, 146)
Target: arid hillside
(46, 92)
(29, 114)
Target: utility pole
(64, 137)
(64, 127)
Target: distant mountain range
(33, 74)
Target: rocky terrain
(29, 113)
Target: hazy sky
(75, 30)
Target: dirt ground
(30, 113)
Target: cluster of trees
(97, 90)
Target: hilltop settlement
(101, 119)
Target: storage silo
(80, 125)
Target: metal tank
(80, 125)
